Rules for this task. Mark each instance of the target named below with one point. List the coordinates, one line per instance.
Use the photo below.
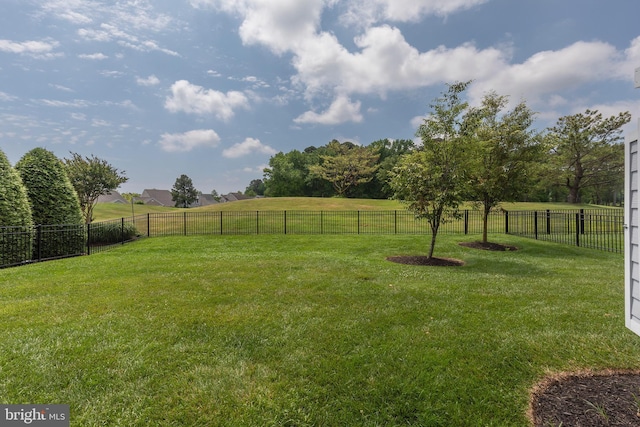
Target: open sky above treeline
(213, 88)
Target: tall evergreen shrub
(54, 205)
(15, 216)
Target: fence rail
(597, 229)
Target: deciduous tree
(431, 181)
(348, 167)
(503, 152)
(92, 177)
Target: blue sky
(213, 88)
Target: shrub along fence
(596, 229)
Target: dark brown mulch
(423, 260)
(489, 246)
(587, 400)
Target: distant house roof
(234, 197)
(157, 197)
(206, 199)
(112, 197)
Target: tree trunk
(485, 221)
(433, 242)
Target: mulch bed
(587, 400)
(489, 246)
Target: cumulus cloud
(548, 72)
(182, 142)
(342, 110)
(152, 80)
(246, 147)
(30, 47)
(93, 56)
(367, 12)
(194, 99)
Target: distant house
(156, 198)
(233, 197)
(112, 197)
(206, 200)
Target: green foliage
(15, 211)
(431, 182)
(183, 192)
(587, 152)
(112, 232)
(255, 188)
(92, 177)
(348, 166)
(53, 202)
(286, 175)
(504, 152)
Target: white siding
(632, 235)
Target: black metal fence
(596, 229)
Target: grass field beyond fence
(276, 330)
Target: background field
(307, 330)
(104, 211)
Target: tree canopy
(346, 167)
(587, 151)
(92, 177)
(502, 153)
(431, 181)
(183, 192)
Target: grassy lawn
(307, 330)
(105, 211)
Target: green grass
(306, 330)
(105, 211)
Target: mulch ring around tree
(584, 399)
(489, 246)
(426, 261)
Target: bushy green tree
(503, 153)
(286, 175)
(431, 181)
(92, 177)
(15, 211)
(183, 192)
(348, 166)
(586, 151)
(53, 202)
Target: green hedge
(113, 232)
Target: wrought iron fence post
(89, 239)
(535, 224)
(581, 221)
(39, 241)
(548, 221)
(466, 221)
(148, 225)
(577, 229)
(122, 230)
(506, 222)
(285, 222)
(395, 222)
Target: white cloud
(342, 110)
(193, 99)
(152, 80)
(6, 97)
(93, 56)
(368, 12)
(181, 142)
(549, 72)
(248, 146)
(31, 47)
